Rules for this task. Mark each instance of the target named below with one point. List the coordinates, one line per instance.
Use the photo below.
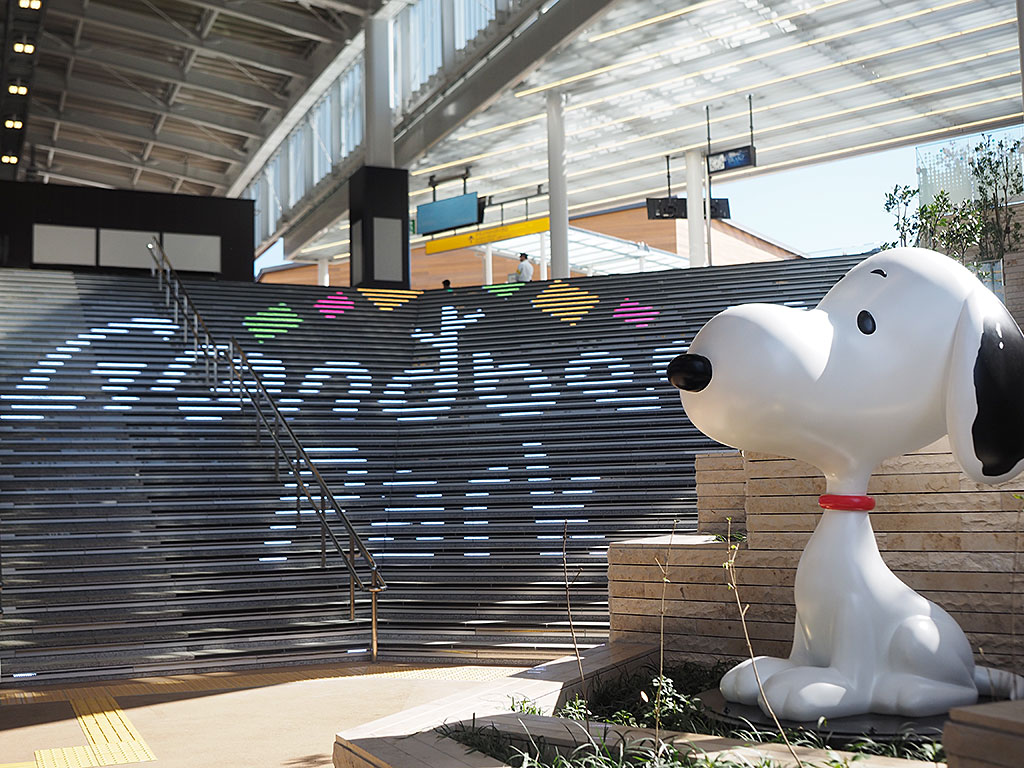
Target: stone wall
(951, 539)
(1013, 281)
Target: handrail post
(351, 579)
(373, 618)
(256, 409)
(277, 458)
(323, 531)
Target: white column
(379, 133)
(488, 265)
(558, 194)
(447, 34)
(543, 258)
(337, 131)
(694, 207)
(323, 275)
(707, 210)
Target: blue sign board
(740, 157)
(447, 214)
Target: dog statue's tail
(998, 683)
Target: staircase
(487, 444)
(142, 526)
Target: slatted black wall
(464, 431)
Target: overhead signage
(675, 208)
(449, 213)
(491, 235)
(730, 159)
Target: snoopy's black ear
(985, 392)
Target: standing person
(446, 284)
(524, 272)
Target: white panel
(63, 245)
(387, 249)
(125, 248)
(194, 253)
(355, 260)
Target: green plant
(898, 202)
(953, 228)
(995, 167)
(906, 745)
(525, 706)
(575, 709)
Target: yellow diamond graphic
(566, 302)
(387, 299)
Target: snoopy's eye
(865, 322)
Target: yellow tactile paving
(102, 720)
(123, 752)
(66, 757)
(112, 738)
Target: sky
(819, 210)
(826, 209)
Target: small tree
(898, 203)
(955, 229)
(996, 170)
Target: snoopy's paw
(740, 683)
(805, 694)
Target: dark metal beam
(275, 17)
(96, 14)
(108, 94)
(184, 144)
(124, 159)
(335, 5)
(232, 90)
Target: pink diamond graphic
(631, 312)
(334, 305)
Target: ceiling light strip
(769, 129)
(792, 123)
(683, 47)
(795, 76)
(779, 51)
(653, 20)
(835, 65)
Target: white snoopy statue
(908, 346)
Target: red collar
(846, 503)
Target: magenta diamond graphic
(334, 305)
(631, 312)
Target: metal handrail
(176, 294)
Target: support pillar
(695, 207)
(379, 192)
(379, 133)
(558, 195)
(447, 34)
(323, 275)
(488, 265)
(543, 258)
(707, 211)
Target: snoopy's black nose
(690, 373)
